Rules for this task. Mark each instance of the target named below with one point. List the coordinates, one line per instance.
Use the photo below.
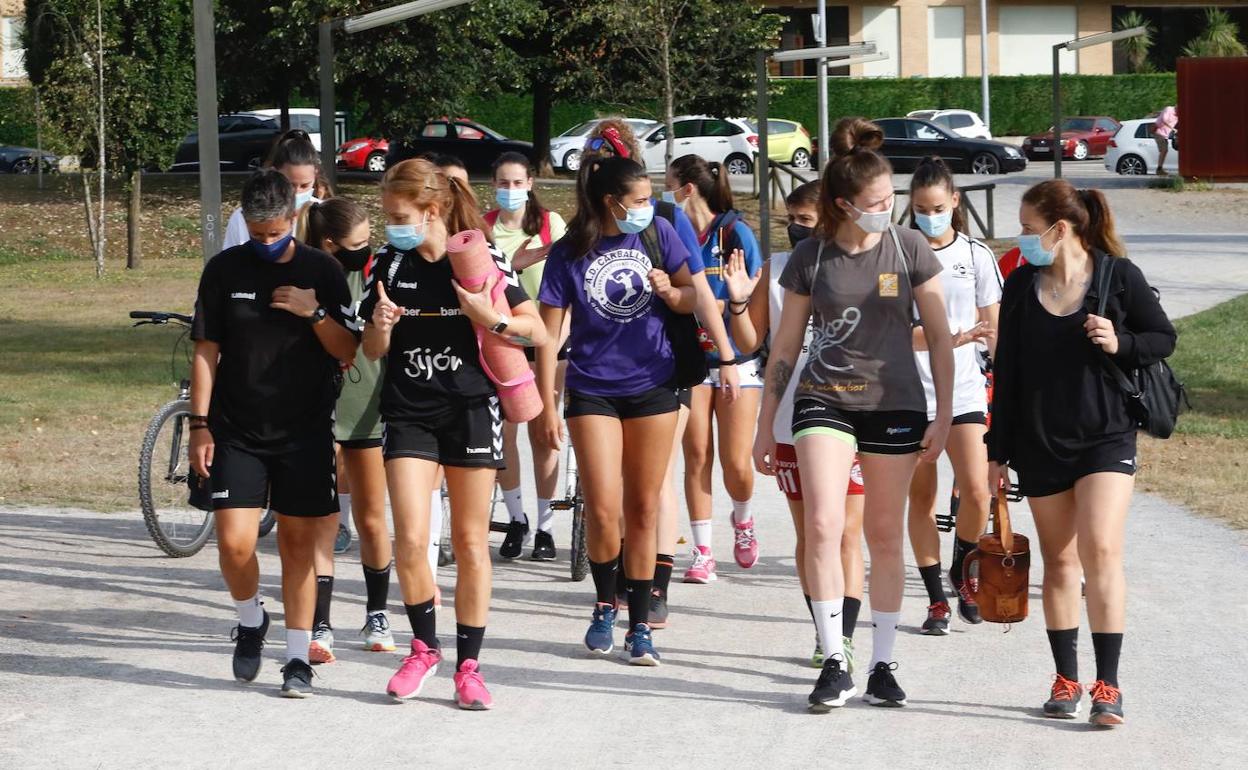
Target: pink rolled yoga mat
(504, 363)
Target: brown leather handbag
(1003, 559)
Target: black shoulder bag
(1153, 392)
(682, 329)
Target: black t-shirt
(433, 355)
(275, 382)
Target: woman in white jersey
(972, 286)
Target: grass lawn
(78, 384)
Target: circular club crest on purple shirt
(616, 285)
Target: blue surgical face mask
(669, 196)
(302, 199)
(407, 237)
(511, 198)
(636, 220)
(1033, 252)
(271, 252)
(934, 225)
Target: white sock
(515, 504)
(740, 511)
(297, 642)
(828, 623)
(344, 509)
(250, 612)
(545, 516)
(883, 636)
(435, 529)
(701, 533)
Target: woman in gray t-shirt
(861, 279)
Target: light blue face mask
(407, 237)
(511, 198)
(302, 199)
(1033, 252)
(636, 220)
(669, 196)
(934, 225)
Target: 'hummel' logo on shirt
(243, 295)
(221, 495)
(405, 284)
(478, 450)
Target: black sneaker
(882, 688)
(296, 679)
(833, 688)
(937, 623)
(968, 609)
(1063, 702)
(658, 611)
(1106, 705)
(513, 544)
(543, 546)
(248, 646)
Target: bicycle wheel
(446, 554)
(267, 521)
(580, 541)
(498, 526)
(164, 462)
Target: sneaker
(416, 668)
(968, 609)
(937, 623)
(640, 648)
(296, 679)
(600, 638)
(343, 541)
(321, 650)
(470, 692)
(882, 689)
(702, 570)
(745, 545)
(1106, 704)
(1063, 702)
(543, 547)
(833, 688)
(513, 544)
(248, 645)
(848, 645)
(658, 611)
(816, 657)
(376, 632)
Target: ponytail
(1086, 210)
(709, 179)
(293, 148)
(932, 171)
(854, 165)
(1101, 232)
(332, 220)
(598, 178)
(463, 213)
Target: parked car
(729, 141)
(960, 122)
(1082, 138)
(307, 118)
(21, 160)
(787, 141)
(243, 140)
(363, 154)
(907, 141)
(476, 145)
(1133, 151)
(565, 149)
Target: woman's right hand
(551, 428)
(998, 476)
(202, 451)
(739, 282)
(765, 452)
(385, 313)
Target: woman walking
(294, 157)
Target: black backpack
(682, 329)
(1154, 394)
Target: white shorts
(749, 374)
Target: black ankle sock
(604, 580)
(468, 643)
(638, 593)
(933, 583)
(663, 564)
(960, 549)
(324, 595)
(377, 585)
(810, 608)
(620, 585)
(849, 616)
(1065, 645)
(424, 620)
(1108, 648)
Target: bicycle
(177, 526)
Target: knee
(412, 546)
(823, 533)
(922, 504)
(883, 540)
(372, 528)
(976, 499)
(697, 455)
(471, 552)
(1100, 558)
(231, 552)
(1063, 569)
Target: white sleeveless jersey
(783, 426)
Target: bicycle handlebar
(160, 317)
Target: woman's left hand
(478, 305)
(1101, 332)
(292, 299)
(661, 283)
(934, 439)
(729, 382)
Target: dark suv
(244, 142)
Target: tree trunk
(541, 125)
(134, 249)
(669, 110)
(283, 102)
(102, 240)
(86, 199)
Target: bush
(17, 116)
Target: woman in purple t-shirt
(622, 402)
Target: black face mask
(354, 259)
(798, 233)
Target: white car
(960, 122)
(729, 141)
(307, 118)
(1133, 151)
(565, 149)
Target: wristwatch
(317, 316)
(501, 326)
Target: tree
(1136, 48)
(1220, 38)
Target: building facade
(12, 55)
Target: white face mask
(872, 221)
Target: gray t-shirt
(862, 353)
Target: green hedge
(17, 116)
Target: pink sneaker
(745, 549)
(416, 668)
(470, 692)
(703, 568)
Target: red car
(364, 154)
(1082, 138)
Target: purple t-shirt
(618, 344)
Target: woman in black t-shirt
(271, 328)
(439, 406)
(1061, 422)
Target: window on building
(13, 66)
(1028, 34)
(946, 41)
(880, 25)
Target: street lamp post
(209, 152)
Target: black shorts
(879, 433)
(465, 434)
(685, 397)
(1111, 457)
(299, 482)
(530, 354)
(660, 400)
(360, 443)
(971, 418)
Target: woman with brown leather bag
(1060, 421)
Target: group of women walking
(329, 376)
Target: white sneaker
(321, 650)
(376, 633)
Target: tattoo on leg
(781, 373)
